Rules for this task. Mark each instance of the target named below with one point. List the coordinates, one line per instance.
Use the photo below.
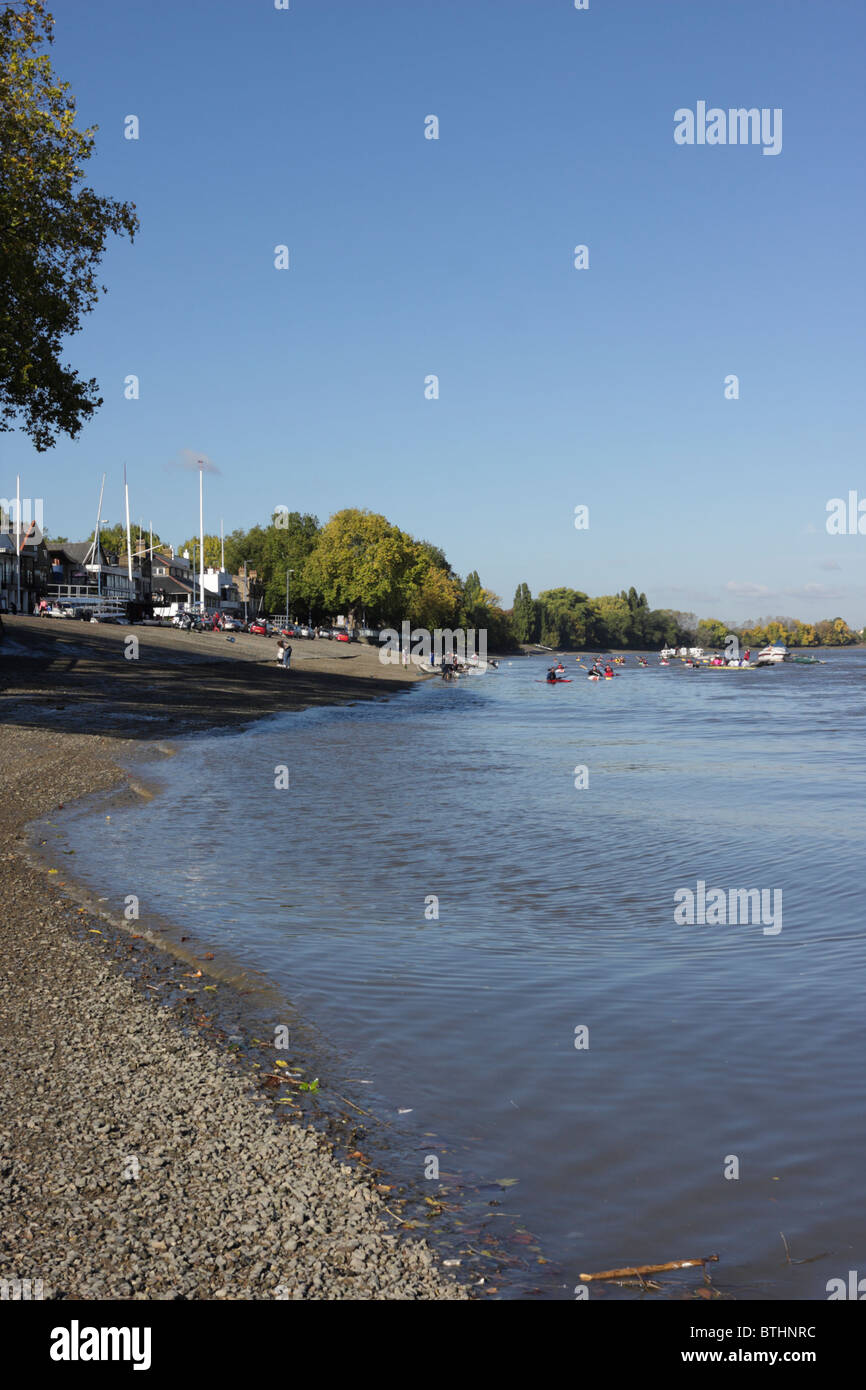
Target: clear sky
(455, 257)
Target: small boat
(773, 655)
(808, 660)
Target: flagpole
(201, 535)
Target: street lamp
(288, 572)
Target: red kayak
(558, 681)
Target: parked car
(232, 625)
(58, 610)
(104, 618)
(342, 636)
(324, 632)
(259, 627)
(305, 631)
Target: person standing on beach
(287, 656)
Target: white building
(176, 587)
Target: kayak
(559, 681)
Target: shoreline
(137, 1159)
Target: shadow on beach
(77, 677)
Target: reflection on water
(555, 909)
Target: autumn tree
(53, 232)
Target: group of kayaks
(556, 674)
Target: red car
(341, 636)
(260, 629)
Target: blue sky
(454, 257)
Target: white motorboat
(773, 655)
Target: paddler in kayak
(552, 678)
(608, 670)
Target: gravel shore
(135, 1162)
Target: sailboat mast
(128, 532)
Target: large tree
(524, 614)
(364, 565)
(53, 231)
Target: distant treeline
(566, 618)
(361, 565)
(829, 632)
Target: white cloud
(747, 590)
(814, 591)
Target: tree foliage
(114, 538)
(53, 231)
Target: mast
(96, 549)
(128, 533)
(18, 539)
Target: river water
(642, 1088)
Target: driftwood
(630, 1271)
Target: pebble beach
(135, 1161)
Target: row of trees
(362, 565)
(567, 618)
(791, 632)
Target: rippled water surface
(556, 909)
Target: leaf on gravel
(309, 1085)
(281, 1064)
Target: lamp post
(246, 593)
(288, 619)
